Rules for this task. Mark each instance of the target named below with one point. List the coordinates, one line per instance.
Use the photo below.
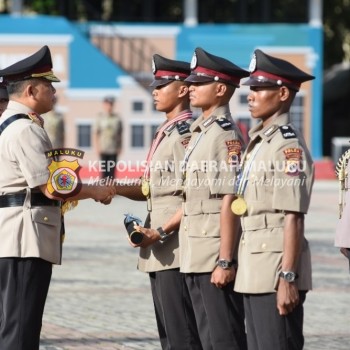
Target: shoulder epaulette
(183, 127)
(287, 132)
(224, 123)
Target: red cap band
(214, 73)
(275, 77)
(165, 74)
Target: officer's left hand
(150, 236)
(221, 277)
(287, 297)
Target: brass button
(263, 246)
(46, 218)
(204, 232)
(185, 227)
(243, 241)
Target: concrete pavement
(99, 300)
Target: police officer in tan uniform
(108, 133)
(161, 187)
(4, 98)
(274, 189)
(342, 235)
(30, 215)
(209, 231)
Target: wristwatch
(289, 276)
(225, 264)
(163, 235)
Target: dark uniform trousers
(109, 165)
(24, 284)
(275, 332)
(174, 314)
(219, 313)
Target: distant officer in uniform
(4, 98)
(108, 134)
(30, 216)
(342, 236)
(274, 189)
(54, 126)
(161, 187)
(209, 231)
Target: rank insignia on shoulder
(183, 128)
(224, 123)
(287, 132)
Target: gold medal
(145, 187)
(239, 206)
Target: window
(84, 135)
(153, 130)
(297, 112)
(137, 106)
(137, 136)
(243, 99)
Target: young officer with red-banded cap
(161, 187)
(209, 231)
(273, 195)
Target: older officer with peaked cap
(4, 98)
(30, 216)
(274, 189)
(161, 187)
(209, 231)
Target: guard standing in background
(162, 188)
(30, 216)
(274, 190)
(209, 231)
(108, 135)
(4, 98)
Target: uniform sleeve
(29, 151)
(224, 157)
(293, 177)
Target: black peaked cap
(207, 67)
(166, 70)
(267, 70)
(38, 65)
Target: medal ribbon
(243, 176)
(159, 137)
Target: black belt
(36, 200)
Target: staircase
(132, 54)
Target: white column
(190, 13)
(315, 13)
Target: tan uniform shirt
(210, 175)
(342, 235)
(281, 179)
(26, 231)
(109, 130)
(166, 197)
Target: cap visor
(160, 82)
(51, 77)
(199, 79)
(255, 82)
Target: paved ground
(98, 300)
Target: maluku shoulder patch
(183, 127)
(287, 132)
(224, 123)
